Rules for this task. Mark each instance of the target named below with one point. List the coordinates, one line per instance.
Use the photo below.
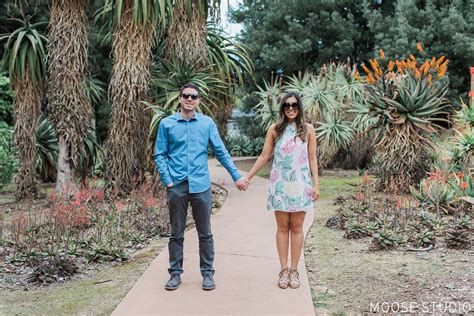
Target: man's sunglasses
(188, 95)
(287, 106)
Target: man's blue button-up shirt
(181, 151)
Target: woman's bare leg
(297, 237)
(283, 237)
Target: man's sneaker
(173, 283)
(208, 283)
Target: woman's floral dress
(291, 185)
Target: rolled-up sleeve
(161, 155)
(221, 152)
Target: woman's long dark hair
(300, 121)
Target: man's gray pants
(178, 201)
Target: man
(181, 159)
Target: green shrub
(8, 156)
(6, 100)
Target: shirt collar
(179, 118)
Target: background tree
(134, 28)
(68, 107)
(299, 35)
(25, 58)
(446, 28)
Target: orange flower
(419, 46)
(391, 64)
(430, 80)
(460, 175)
(422, 68)
(438, 62)
(382, 55)
(417, 74)
(433, 60)
(371, 79)
(399, 66)
(412, 57)
(427, 67)
(441, 72)
(374, 64)
(356, 76)
(367, 70)
(464, 185)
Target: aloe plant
(407, 109)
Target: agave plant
(463, 141)
(348, 88)
(464, 118)
(46, 151)
(25, 59)
(436, 195)
(319, 98)
(169, 77)
(408, 107)
(268, 106)
(363, 121)
(299, 83)
(159, 114)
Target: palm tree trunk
(65, 178)
(186, 41)
(223, 115)
(26, 107)
(69, 109)
(129, 85)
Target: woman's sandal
(284, 280)
(294, 279)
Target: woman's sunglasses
(188, 95)
(287, 106)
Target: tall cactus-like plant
(135, 24)
(409, 105)
(69, 109)
(25, 59)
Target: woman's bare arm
(265, 154)
(313, 161)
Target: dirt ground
(95, 290)
(346, 277)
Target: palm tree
(193, 41)
(25, 57)
(186, 40)
(69, 109)
(134, 28)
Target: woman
(291, 193)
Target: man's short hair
(188, 85)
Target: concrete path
(246, 264)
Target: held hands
(315, 194)
(242, 184)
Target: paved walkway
(246, 265)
